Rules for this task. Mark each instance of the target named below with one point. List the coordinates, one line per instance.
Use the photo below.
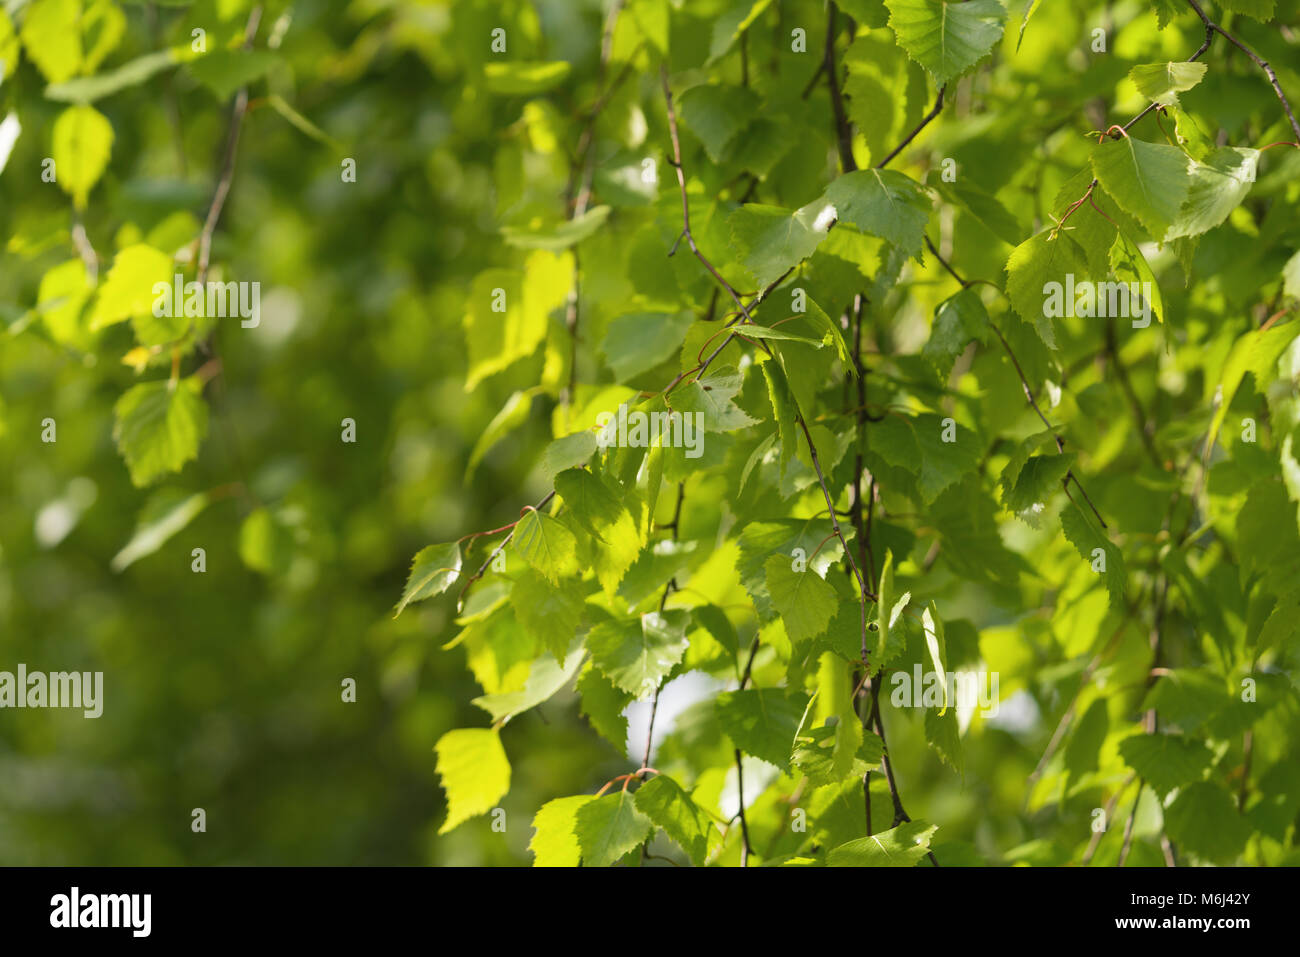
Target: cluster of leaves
(907, 461)
(160, 423)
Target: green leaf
(547, 545)
(1030, 7)
(1261, 10)
(546, 677)
(87, 89)
(1149, 181)
(52, 37)
(901, 846)
(556, 236)
(636, 654)
(1219, 184)
(9, 56)
(716, 114)
(934, 644)
(1084, 747)
(475, 773)
(957, 320)
(768, 240)
(225, 71)
(567, 452)
(555, 843)
(946, 38)
(1087, 539)
(663, 801)
(434, 569)
(1256, 352)
(608, 827)
(525, 78)
(1031, 268)
(83, 140)
(814, 755)
(711, 398)
(550, 613)
(598, 510)
(1037, 479)
(512, 415)
(762, 721)
(804, 599)
(943, 462)
(1162, 82)
(604, 704)
(715, 621)
(129, 289)
(1166, 761)
(1130, 266)
(885, 203)
(783, 405)
(167, 512)
(1203, 819)
(158, 428)
(639, 341)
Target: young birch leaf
(946, 38)
(546, 677)
(1162, 82)
(814, 755)
(1166, 761)
(768, 240)
(783, 405)
(1204, 819)
(1035, 481)
(804, 599)
(83, 139)
(762, 721)
(636, 654)
(550, 613)
(434, 569)
(1149, 181)
(1130, 266)
(608, 827)
(128, 290)
(1096, 549)
(475, 773)
(1261, 10)
(1031, 268)
(663, 801)
(555, 843)
(598, 510)
(902, 846)
(165, 514)
(639, 341)
(547, 545)
(603, 704)
(158, 428)
(1219, 184)
(884, 203)
(934, 644)
(52, 36)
